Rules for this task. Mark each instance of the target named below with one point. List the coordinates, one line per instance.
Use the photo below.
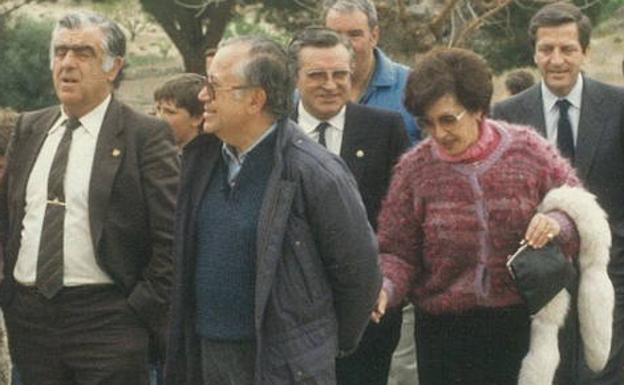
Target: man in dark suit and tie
(584, 118)
(370, 141)
(86, 218)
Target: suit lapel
(26, 159)
(533, 110)
(207, 156)
(110, 150)
(354, 138)
(591, 126)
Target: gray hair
(266, 67)
(317, 37)
(113, 42)
(347, 6)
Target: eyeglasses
(210, 82)
(318, 75)
(446, 121)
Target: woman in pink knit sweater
(459, 204)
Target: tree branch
(476, 23)
(436, 25)
(8, 8)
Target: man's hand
(380, 307)
(542, 229)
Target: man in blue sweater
(276, 264)
(377, 81)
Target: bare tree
(415, 26)
(192, 25)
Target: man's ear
(375, 35)
(118, 63)
(258, 100)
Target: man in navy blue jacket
(276, 264)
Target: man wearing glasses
(276, 263)
(370, 141)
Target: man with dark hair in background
(276, 264)
(86, 220)
(176, 102)
(518, 80)
(584, 118)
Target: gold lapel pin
(116, 152)
(359, 153)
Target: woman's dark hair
(449, 71)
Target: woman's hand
(542, 229)
(380, 307)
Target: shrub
(25, 79)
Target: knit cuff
(568, 238)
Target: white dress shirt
(79, 264)
(551, 111)
(333, 134)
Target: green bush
(25, 79)
(610, 7)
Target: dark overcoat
(317, 276)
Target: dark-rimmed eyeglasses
(212, 86)
(320, 75)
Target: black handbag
(540, 274)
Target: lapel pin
(116, 152)
(359, 153)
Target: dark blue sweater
(226, 247)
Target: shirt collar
(231, 154)
(384, 76)
(309, 123)
(574, 97)
(91, 122)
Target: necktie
(50, 260)
(321, 128)
(565, 140)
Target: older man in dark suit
(370, 140)
(585, 119)
(86, 210)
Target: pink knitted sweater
(446, 228)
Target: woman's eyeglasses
(445, 121)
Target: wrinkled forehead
(345, 21)
(336, 57)
(82, 37)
